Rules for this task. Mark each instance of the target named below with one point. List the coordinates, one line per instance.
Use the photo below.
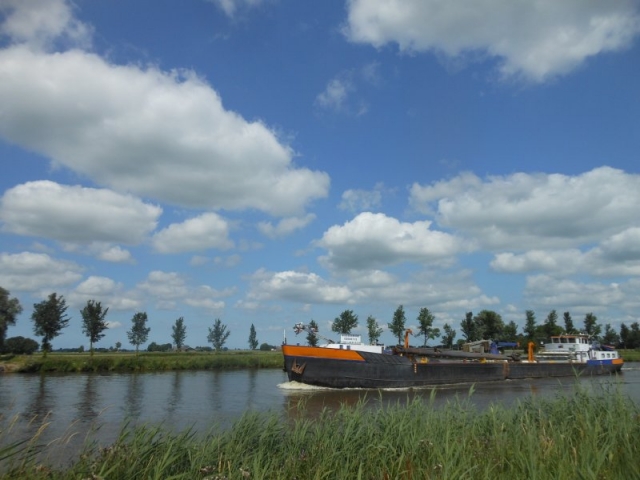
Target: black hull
(394, 371)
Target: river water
(76, 408)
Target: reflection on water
(78, 407)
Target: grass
(577, 436)
(144, 362)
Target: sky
(270, 162)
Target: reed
(144, 362)
(579, 435)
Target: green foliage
(265, 347)
(19, 346)
(312, 338)
(551, 327)
(630, 337)
(179, 333)
(568, 323)
(139, 331)
(491, 324)
(425, 325)
(591, 326)
(218, 335)
(346, 322)
(449, 336)
(49, 318)
(93, 323)
(530, 327)
(10, 308)
(471, 330)
(397, 324)
(253, 341)
(154, 347)
(374, 330)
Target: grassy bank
(577, 436)
(144, 362)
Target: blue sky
(268, 162)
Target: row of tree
(486, 325)
(50, 318)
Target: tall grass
(577, 436)
(145, 362)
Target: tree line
(50, 317)
(486, 325)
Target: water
(77, 408)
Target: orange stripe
(318, 352)
(617, 361)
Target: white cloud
(116, 255)
(169, 288)
(334, 96)
(373, 240)
(231, 7)
(538, 211)
(105, 290)
(76, 214)
(40, 22)
(207, 231)
(357, 200)
(297, 287)
(161, 135)
(31, 272)
(535, 40)
(285, 226)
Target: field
(579, 435)
(144, 362)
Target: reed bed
(144, 362)
(576, 436)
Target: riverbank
(143, 362)
(158, 361)
(576, 435)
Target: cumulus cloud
(76, 214)
(231, 7)
(162, 135)
(358, 200)
(32, 272)
(38, 23)
(537, 211)
(297, 287)
(168, 288)
(207, 231)
(334, 96)
(286, 226)
(373, 240)
(111, 294)
(534, 40)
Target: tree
(492, 324)
(397, 325)
(633, 340)
(425, 325)
(93, 323)
(610, 336)
(49, 318)
(218, 335)
(449, 336)
(19, 346)
(265, 347)
(10, 308)
(179, 333)
(510, 332)
(346, 322)
(312, 338)
(624, 335)
(568, 323)
(374, 330)
(530, 327)
(139, 331)
(591, 326)
(118, 346)
(253, 341)
(550, 326)
(470, 329)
